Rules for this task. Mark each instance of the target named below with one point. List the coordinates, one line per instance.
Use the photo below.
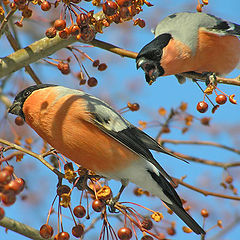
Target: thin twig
(207, 143)
(35, 155)
(204, 161)
(5, 21)
(204, 192)
(165, 125)
(14, 44)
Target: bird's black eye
(26, 93)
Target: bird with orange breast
(90, 133)
(191, 42)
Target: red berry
(79, 211)
(17, 185)
(9, 168)
(202, 107)
(204, 212)
(51, 32)
(96, 63)
(9, 198)
(74, 30)
(221, 99)
(46, 231)
(59, 24)
(78, 230)
(63, 236)
(97, 205)
(124, 233)
(45, 5)
(109, 8)
(2, 213)
(5, 177)
(92, 82)
(124, 3)
(19, 121)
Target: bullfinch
(185, 42)
(90, 133)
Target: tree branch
(14, 44)
(207, 143)
(21, 228)
(205, 193)
(204, 161)
(35, 155)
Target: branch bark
(21, 228)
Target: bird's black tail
(186, 218)
(174, 202)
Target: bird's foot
(111, 204)
(211, 78)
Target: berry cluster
(81, 29)
(123, 10)
(10, 187)
(84, 26)
(220, 99)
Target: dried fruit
(51, 32)
(232, 100)
(147, 223)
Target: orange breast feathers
(214, 53)
(66, 125)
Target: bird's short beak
(15, 108)
(139, 63)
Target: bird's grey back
(184, 26)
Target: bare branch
(35, 155)
(21, 228)
(207, 143)
(204, 161)
(204, 192)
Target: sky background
(121, 83)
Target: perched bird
(185, 42)
(90, 133)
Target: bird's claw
(211, 78)
(111, 204)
